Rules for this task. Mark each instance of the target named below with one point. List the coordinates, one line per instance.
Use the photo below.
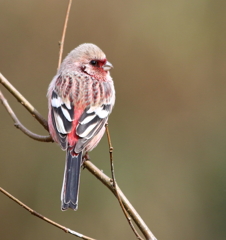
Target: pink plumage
(80, 97)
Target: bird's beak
(107, 66)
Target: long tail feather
(70, 188)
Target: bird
(80, 98)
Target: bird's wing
(90, 123)
(62, 114)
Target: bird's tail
(70, 188)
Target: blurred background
(167, 128)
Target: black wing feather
(57, 112)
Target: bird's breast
(83, 90)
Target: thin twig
(19, 125)
(67, 230)
(128, 206)
(23, 101)
(111, 155)
(61, 43)
(115, 184)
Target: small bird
(80, 98)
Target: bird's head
(89, 59)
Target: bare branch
(67, 230)
(23, 101)
(115, 184)
(128, 206)
(20, 126)
(61, 43)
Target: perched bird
(80, 98)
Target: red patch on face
(102, 62)
(95, 69)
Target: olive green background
(167, 127)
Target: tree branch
(23, 101)
(67, 230)
(20, 126)
(128, 206)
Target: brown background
(168, 125)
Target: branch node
(37, 214)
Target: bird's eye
(94, 63)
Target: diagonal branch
(67, 230)
(128, 206)
(20, 126)
(23, 101)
